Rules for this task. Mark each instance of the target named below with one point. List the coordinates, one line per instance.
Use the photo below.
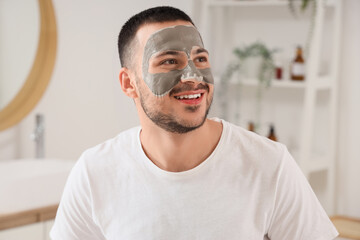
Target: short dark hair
(151, 15)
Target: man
(181, 175)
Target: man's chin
(192, 109)
(182, 128)
(190, 125)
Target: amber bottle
(297, 70)
(272, 135)
(251, 127)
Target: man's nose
(192, 79)
(191, 74)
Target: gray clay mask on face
(180, 38)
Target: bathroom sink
(27, 184)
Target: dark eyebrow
(170, 52)
(201, 50)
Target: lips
(187, 94)
(190, 98)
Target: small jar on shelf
(278, 70)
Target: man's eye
(169, 62)
(201, 59)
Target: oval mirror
(17, 102)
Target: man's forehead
(179, 37)
(176, 34)
(146, 30)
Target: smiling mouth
(190, 96)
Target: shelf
(318, 165)
(248, 3)
(277, 83)
(255, 3)
(322, 83)
(317, 162)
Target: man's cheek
(161, 84)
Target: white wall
(84, 105)
(19, 35)
(349, 113)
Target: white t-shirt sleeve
(297, 213)
(74, 218)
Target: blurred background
(60, 94)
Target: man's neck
(180, 152)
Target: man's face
(176, 87)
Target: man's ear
(127, 83)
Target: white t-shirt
(249, 188)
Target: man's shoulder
(252, 149)
(251, 140)
(124, 141)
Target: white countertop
(32, 183)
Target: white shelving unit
(217, 16)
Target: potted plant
(265, 72)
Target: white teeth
(192, 96)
